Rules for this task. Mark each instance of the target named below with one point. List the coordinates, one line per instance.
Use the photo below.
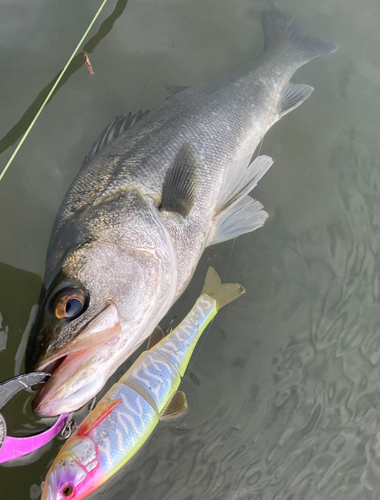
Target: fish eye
(67, 490)
(70, 303)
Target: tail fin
(222, 294)
(279, 26)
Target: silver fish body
(128, 245)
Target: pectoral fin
(181, 183)
(176, 406)
(156, 337)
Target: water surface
(284, 390)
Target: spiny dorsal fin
(223, 294)
(176, 406)
(175, 89)
(116, 127)
(181, 183)
(244, 217)
(293, 96)
(156, 337)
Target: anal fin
(236, 212)
(175, 406)
(244, 217)
(240, 178)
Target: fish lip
(51, 365)
(97, 334)
(65, 350)
(42, 401)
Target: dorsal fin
(116, 127)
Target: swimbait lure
(127, 415)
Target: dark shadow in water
(21, 126)
(19, 291)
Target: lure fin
(223, 294)
(181, 183)
(156, 337)
(101, 411)
(114, 129)
(175, 406)
(175, 89)
(293, 96)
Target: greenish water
(284, 391)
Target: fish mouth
(73, 382)
(79, 369)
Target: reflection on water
(283, 394)
(18, 130)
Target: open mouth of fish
(75, 379)
(78, 370)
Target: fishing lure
(127, 415)
(16, 447)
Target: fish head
(105, 300)
(75, 472)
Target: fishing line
(229, 258)
(200, 345)
(260, 146)
(52, 90)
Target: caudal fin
(280, 27)
(222, 294)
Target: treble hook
(68, 428)
(15, 447)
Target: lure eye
(67, 490)
(70, 303)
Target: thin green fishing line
(52, 90)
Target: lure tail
(223, 294)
